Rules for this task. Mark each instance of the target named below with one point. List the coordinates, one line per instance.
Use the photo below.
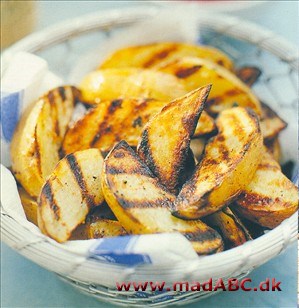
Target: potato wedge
(73, 188)
(109, 84)
(29, 205)
(270, 197)
(141, 203)
(105, 228)
(228, 165)
(120, 119)
(150, 56)
(38, 136)
(230, 227)
(227, 91)
(271, 123)
(165, 140)
(98, 229)
(249, 74)
(273, 147)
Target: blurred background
(19, 18)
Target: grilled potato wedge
(29, 205)
(122, 119)
(273, 147)
(227, 91)
(141, 203)
(228, 165)
(150, 56)
(98, 229)
(109, 84)
(270, 197)
(105, 228)
(230, 227)
(38, 137)
(249, 74)
(72, 189)
(164, 148)
(271, 123)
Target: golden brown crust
(151, 55)
(38, 136)
(270, 197)
(69, 193)
(165, 140)
(229, 163)
(232, 230)
(227, 91)
(141, 203)
(123, 119)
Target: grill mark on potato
(255, 199)
(36, 153)
(76, 94)
(146, 153)
(220, 62)
(187, 72)
(61, 91)
(131, 204)
(159, 56)
(51, 97)
(77, 172)
(114, 105)
(48, 194)
(249, 74)
(137, 122)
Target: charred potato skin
(69, 193)
(38, 136)
(167, 160)
(105, 228)
(150, 56)
(211, 187)
(271, 123)
(249, 74)
(233, 232)
(109, 122)
(150, 213)
(270, 197)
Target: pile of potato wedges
(173, 140)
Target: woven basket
(246, 44)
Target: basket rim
(286, 232)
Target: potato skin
(70, 192)
(232, 230)
(227, 167)
(271, 123)
(29, 205)
(248, 74)
(165, 139)
(107, 123)
(38, 136)
(141, 203)
(270, 197)
(151, 55)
